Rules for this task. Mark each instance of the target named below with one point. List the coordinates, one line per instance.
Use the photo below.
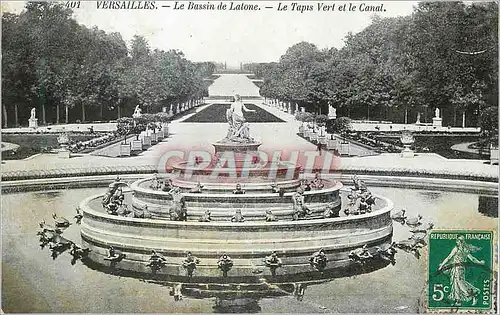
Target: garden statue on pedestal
(332, 111)
(33, 121)
(137, 112)
(437, 121)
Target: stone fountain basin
(247, 243)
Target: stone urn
(63, 141)
(407, 140)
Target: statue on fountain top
(238, 127)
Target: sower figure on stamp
(454, 265)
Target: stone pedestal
(322, 140)
(154, 138)
(146, 141)
(136, 145)
(63, 154)
(160, 135)
(437, 122)
(221, 147)
(33, 122)
(165, 131)
(331, 144)
(407, 153)
(493, 155)
(125, 149)
(344, 148)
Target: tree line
(444, 55)
(69, 72)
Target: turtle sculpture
(399, 216)
(423, 228)
(360, 254)
(387, 252)
(60, 221)
(414, 221)
(114, 255)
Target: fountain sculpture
(271, 228)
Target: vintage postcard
(249, 156)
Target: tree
(340, 125)
(51, 62)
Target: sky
(232, 36)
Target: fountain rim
(135, 187)
(183, 166)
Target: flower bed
(216, 113)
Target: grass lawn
(439, 144)
(30, 144)
(216, 113)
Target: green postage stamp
(460, 270)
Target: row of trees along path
(69, 72)
(444, 55)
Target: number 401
(438, 291)
(73, 4)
